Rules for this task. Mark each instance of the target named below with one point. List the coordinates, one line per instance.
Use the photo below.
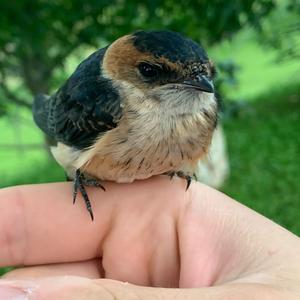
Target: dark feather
(83, 108)
(170, 45)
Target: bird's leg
(79, 182)
(86, 199)
(75, 185)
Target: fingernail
(12, 293)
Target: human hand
(198, 244)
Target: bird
(142, 106)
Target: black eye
(148, 70)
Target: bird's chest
(147, 148)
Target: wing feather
(83, 108)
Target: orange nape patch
(122, 58)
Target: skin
(198, 244)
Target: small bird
(142, 106)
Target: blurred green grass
(263, 143)
(21, 165)
(4, 270)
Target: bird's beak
(200, 83)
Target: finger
(75, 288)
(90, 269)
(124, 291)
(39, 224)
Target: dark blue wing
(83, 108)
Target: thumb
(79, 288)
(237, 291)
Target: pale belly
(122, 155)
(136, 163)
(122, 168)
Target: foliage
(265, 172)
(36, 37)
(282, 30)
(258, 70)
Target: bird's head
(162, 69)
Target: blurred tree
(282, 30)
(36, 36)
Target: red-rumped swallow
(142, 106)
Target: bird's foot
(93, 182)
(79, 182)
(182, 175)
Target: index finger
(38, 224)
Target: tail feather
(40, 110)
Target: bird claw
(79, 182)
(171, 174)
(182, 175)
(93, 182)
